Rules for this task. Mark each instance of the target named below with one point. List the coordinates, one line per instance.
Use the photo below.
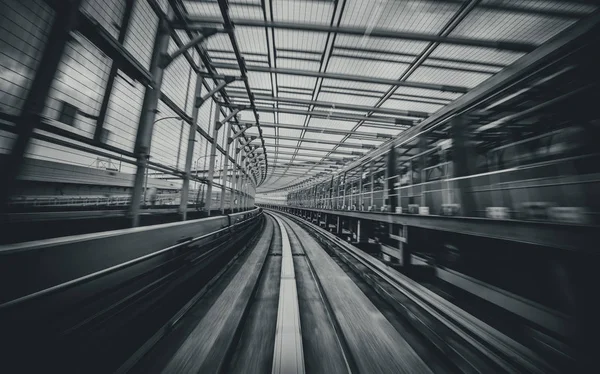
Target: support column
(234, 183)
(422, 166)
(144, 133)
(360, 189)
(463, 158)
(226, 170)
(244, 197)
(190, 149)
(391, 171)
(213, 154)
(364, 229)
(372, 172)
(344, 204)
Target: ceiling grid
(333, 78)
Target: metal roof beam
(324, 130)
(413, 55)
(334, 116)
(321, 141)
(241, 65)
(345, 159)
(330, 104)
(196, 22)
(347, 77)
(364, 93)
(428, 65)
(310, 149)
(350, 91)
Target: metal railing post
(144, 133)
(213, 154)
(226, 170)
(190, 150)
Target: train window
(68, 112)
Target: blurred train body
(527, 153)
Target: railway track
(301, 301)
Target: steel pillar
(243, 193)
(422, 166)
(213, 154)
(360, 189)
(372, 172)
(190, 150)
(226, 170)
(464, 162)
(344, 201)
(144, 133)
(391, 171)
(234, 183)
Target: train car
(528, 152)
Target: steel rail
(474, 331)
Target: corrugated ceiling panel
(219, 41)
(201, 8)
(407, 105)
(366, 68)
(295, 81)
(499, 25)
(321, 136)
(355, 85)
(477, 54)
(375, 130)
(292, 119)
(318, 12)
(427, 93)
(246, 12)
(288, 142)
(366, 141)
(305, 40)
(290, 132)
(251, 39)
(264, 116)
(332, 124)
(392, 45)
(287, 63)
(324, 147)
(441, 76)
(347, 99)
(413, 16)
(259, 80)
(291, 95)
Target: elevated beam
(334, 105)
(199, 22)
(333, 115)
(321, 141)
(324, 130)
(347, 77)
(310, 149)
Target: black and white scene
(299, 186)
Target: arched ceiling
(331, 80)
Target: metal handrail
(112, 269)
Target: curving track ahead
(288, 307)
(298, 302)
